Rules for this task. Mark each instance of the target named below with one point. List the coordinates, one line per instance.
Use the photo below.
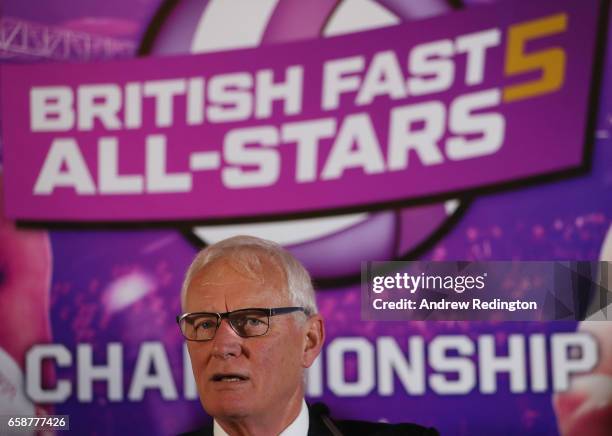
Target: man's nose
(226, 342)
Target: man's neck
(266, 424)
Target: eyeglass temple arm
(283, 310)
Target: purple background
(560, 220)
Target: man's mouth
(228, 377)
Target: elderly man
(252, 327)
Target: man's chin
(224, 410)
(226, 407)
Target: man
(252, 328)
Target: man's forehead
(236, 271)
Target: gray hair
(245, 250)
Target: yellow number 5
(551, 62)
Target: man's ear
(315, 336)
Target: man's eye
(205, 325)
(248, 322)
(254, 322)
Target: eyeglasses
(247, 323)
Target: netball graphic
(347, 239)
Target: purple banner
(442, 106)
(101, 344)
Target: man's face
(241, 377)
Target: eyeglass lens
(246, 323)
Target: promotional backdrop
(135, 133)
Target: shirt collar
(299, 426)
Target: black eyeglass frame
(269, 311)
